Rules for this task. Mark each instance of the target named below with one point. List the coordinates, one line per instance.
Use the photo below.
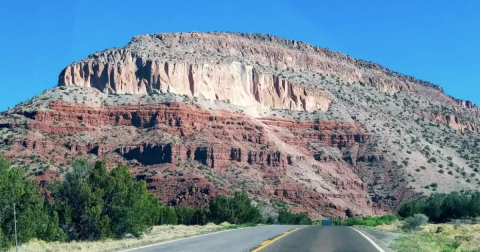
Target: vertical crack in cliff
(276, 84)
(255, 85)
(191, 81)
(293, 97)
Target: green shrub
(441, 207)
(458, 222)
(96, 204)
(285, 217)
(414, 222)
(34, 218)
(184, 215)
(2, 241)
(236, 210)
(371, 221)
(270, 220)
(440, 229)
(411, 208)
(167, 216)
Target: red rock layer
(216, 139)
(183, 120)
(186, 119)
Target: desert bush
(96, 204)
(440, 229)
(237, 209)
(286, 217)
(441, 207)
(414, 222)
(269, 214)
(411, 208)
(459, 222)
(476, 220)
(372, 221)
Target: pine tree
(33, 218)
(219, 209)
(79, 202)
(167, 216)
(131, 208)
(96, 204)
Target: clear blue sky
(438, 41)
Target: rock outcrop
(236, 83)
(227, 139)
(213, 65)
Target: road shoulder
(381, 238)
(178, 239)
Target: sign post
(15, 222)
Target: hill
(295, 125)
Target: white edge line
(180, 239)
(370, 240)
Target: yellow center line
(265, 242)
(268, 242)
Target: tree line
(445, 207)
(371, 221)
(92, 203)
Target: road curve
(324, 239)
(238, 240)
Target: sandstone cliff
(207, 63)
(235, 82)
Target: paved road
(306, 239)
(238, 240)
(324, 239)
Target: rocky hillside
(297, 126)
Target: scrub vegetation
(454, 224)
(92, 205)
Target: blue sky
(437, 41)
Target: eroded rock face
(227, 140)
(234, 82)
(452, 120)
(242, 69)
(213, 65)
(139, 68)
(183, 120)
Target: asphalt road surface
(324, 239)
(309, 238)
(237, 240)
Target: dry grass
(158, 234)
(437, 237)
